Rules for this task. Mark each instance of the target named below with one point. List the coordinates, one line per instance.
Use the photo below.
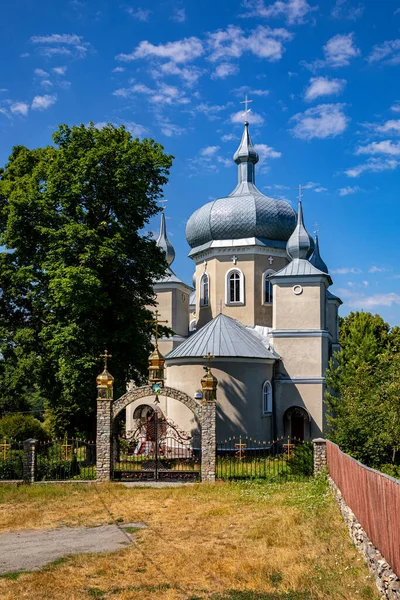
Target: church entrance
(297, 423)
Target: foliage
(364, 390)
(302, 461)
(78, 271)
(21, 427)
(12, 467)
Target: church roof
(300, 267)
(331, 296)
(316, 259)
(164, 243)
(170, 277)
(246, 212)
(223, 337)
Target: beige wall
(239, 394)
(307, 395)
(253, 311)
(303, 311)
(303, 356)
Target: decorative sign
(156, 388)
(297, 289)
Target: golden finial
(208, 357)
(156, 321)
(105, 357)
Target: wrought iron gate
(156, 450)
(243, 457)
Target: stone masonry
(208, 441)
(319, 456)
(30, 459)
(103, 440)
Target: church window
(267, 287)
(204, 290)
(267, 398)
(234, 287)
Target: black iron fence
(11, 459)
(64, 459)
(243, 457)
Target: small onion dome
(164, 243)
(246, 151)
(105, 382)
(316, 259)
(156, 365)
(194, 280)
(300, 243)
(209, 385)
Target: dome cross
(246, 103)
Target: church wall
(307, 395)
(333, 321)
(262, 311)
(303, 311)
(239, 394)
(164, 305)
(179, 320)
(302, 356)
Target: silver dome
(246, 212)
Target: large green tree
(77, 271)
(364, 390)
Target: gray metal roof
(316, 259)
(246, 212)
(300, 267)
(164, 243)
(300, 244)
(170, 277)
(223, 336)
(331, 296)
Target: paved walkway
(31, 550)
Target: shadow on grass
(251, 595)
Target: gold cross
(241, 448)
(5, 448)
(289, 447)
(208, 357)
(66, 449)
(156, 323)
(105, 356)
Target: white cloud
(374, 165)
(266, 152)
(190, 75)
(19, 108)
(179, 15)
(139, 13)
(135, 129)
(320, 189)
(361, 301)
(43, 102)
(224, 70)
(163, 94)
(388, 53)
(169, 129)
(346, 271)
(46, 83)
(295, 12)
(61, 43)
(118, 70)
(375, 269)
(57, 38)
(344, 10)
(232, 42)
(228, 137)
(181, 51)
(60, 70)
(340, 49)
(212, 110)
(251, 117)
(41, 73)
(322, 121)
(245, 89)
(395, 107)
(386, 147)
(392, 126)
(323, 86)
(226, 162)
(209, 151)
(346, 191)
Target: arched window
(234, 287)
(267, 398)
(267, 288)
(204, 290)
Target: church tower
(172, 296)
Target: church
(260, 306)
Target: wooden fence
(373, 497)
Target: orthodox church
(260, 305)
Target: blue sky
(324, 78)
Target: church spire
(316, 259)
(246, 157)
(164, 243)
(299, 243)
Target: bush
(11, 468)
(21, 427)
(390, 469)
(302, 460)
(53, 469)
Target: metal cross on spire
(246, 103)
(163, 202)
(156, 323)
(208, 357)
(316, 225)
(300, 196)
(105, 357)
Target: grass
(229, 541)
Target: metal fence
(64, 459)
(373, 497)
(246, 458)
(11, 459)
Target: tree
(363, 381)
(78, 271)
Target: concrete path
(31, 550)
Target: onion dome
(300, 243)
(316, 259)
(164, 243)
(246, 212)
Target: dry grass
(201, 542)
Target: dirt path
(31, 550)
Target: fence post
(208, 441)
(320, 463)
(103, 440)
(29, 464)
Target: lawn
(228, 541)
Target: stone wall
(103, 440)
(386, 580)
(29, 461)
(320, 463)
(208, 441)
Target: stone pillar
(29, 464)
(103, 440)
(208, 441)
(320, 462)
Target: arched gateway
(107, 449)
